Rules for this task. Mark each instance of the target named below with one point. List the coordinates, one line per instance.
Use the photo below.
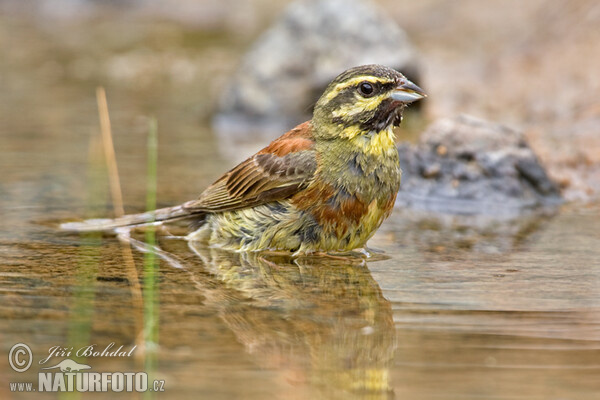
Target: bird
(324, 186)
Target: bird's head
(363, 100)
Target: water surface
(454, 309)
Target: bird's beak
(407, 92)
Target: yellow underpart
(359, 234)
(382, 142)
(353, 82)
(251, 229)
(263, 230)
(372, 220)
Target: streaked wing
(277, 172)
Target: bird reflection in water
(320, 322)
(325, 320)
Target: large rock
(287, 69)
(465, 165)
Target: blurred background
(461, 306)
(528, 65)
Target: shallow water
(454, 309)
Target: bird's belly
(352, 227)
(272, 226)
(283, 226)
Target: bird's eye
(366, 89)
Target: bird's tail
(107, 224)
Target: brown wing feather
(276, 172)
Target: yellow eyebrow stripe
(353, 82)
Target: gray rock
(284, 73)
(465, 165)
(442, 234)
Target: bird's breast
(353, 192)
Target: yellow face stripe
(361, 105)
(353, 82)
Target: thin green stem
(151, 289)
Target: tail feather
(107, 224)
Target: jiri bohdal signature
(92, 350)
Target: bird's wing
(276, 172)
